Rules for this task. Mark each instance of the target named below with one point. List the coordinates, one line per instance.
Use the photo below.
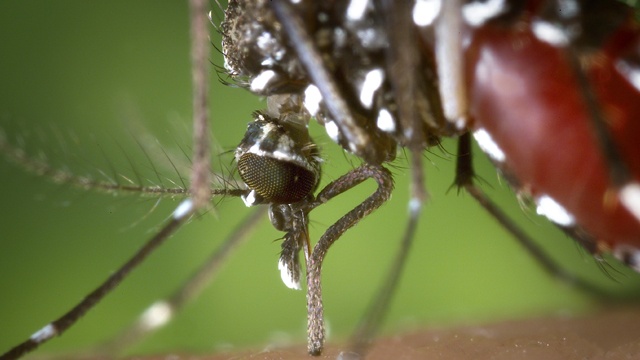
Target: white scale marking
(287, 277)
(486, 143)
(425, 12)
(312, 98)
(183, 209)
(266, 42)
(47, 332)
(554, 211)
(250, 199)
(156, 315)
(477, 13)
(265, 130)
(630, 72)
(255, 149)
(353, 147)
(630, 198)
(550, 33)
(281, 153)
(371, 84)
(260, 82)
(414, 206)
(332, 130)
(385, 121)
(356, 9)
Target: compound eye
(276, 181)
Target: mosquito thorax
(278, 161)
(352, 45)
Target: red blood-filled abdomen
(525, 95)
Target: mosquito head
(277, 160)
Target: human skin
(610, 333)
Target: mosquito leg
(200, 79)
(59, 326)
(162, 311)
(374, 315)
(451, 88)
(465, 179)
(376, 311)
(199, 190)
(403, 60)
(382, 176)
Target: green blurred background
(82, 81)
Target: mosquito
(527, 79)
(400, 228)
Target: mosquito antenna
(58, 176)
